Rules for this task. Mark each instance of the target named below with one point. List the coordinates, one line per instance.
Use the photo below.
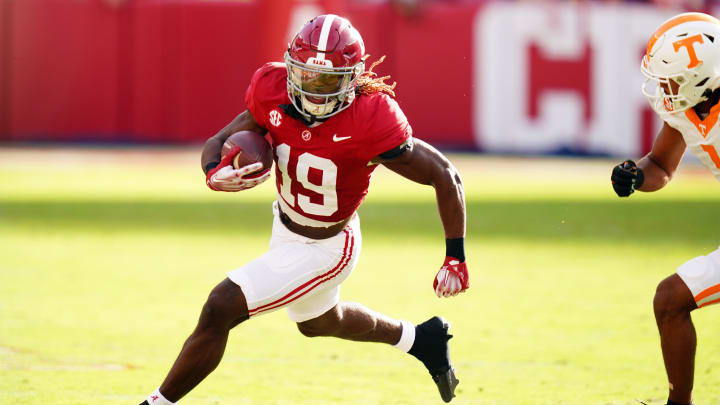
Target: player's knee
(214, 309)
(672, 299)
(225, 307)
(318, 329)
(310, 330)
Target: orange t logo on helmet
(687, 43)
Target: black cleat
(431, 347)
(446, 383)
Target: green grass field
(107, 256)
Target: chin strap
(291, 111)
(709, 96)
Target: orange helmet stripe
(675, 21)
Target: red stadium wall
(495, 76)
(190, 66)
(5, 30)
(63, 67)
(176, 71)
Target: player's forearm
(450, 195)
(213, 146)
(440, 173)
(655, 176)
(211, 152)
(426, 165)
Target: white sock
(156, 398)
(408, 336)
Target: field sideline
(106, 256)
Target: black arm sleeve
(396, 151)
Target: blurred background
(520, 77)
(110, 239)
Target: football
(254, 149)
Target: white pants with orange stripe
(299, 273)
(702, 276)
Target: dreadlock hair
(369, 83)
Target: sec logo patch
(275, 118)
(306, 135)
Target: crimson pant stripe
(309, 289)
(317, 280)
(289, 297)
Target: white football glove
(229, 179)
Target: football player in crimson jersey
(682, 67)
(331, 123)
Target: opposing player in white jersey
(330, 123)
(682, 67)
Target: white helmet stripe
(324, 34)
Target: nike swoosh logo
(340, 138)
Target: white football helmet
(682, 62)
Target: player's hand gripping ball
(452, 279)
(246, 162)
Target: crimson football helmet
(682, 62)
(323, 61)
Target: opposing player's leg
(696, 284)
(224, 309)
(672, 304)
(428, 342)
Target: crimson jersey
(323, 173)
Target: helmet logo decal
(306, 135)
(688, 43)
(275, 118)
(319, 62)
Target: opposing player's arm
(210, 156)
(424, 164)
(660, 164)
